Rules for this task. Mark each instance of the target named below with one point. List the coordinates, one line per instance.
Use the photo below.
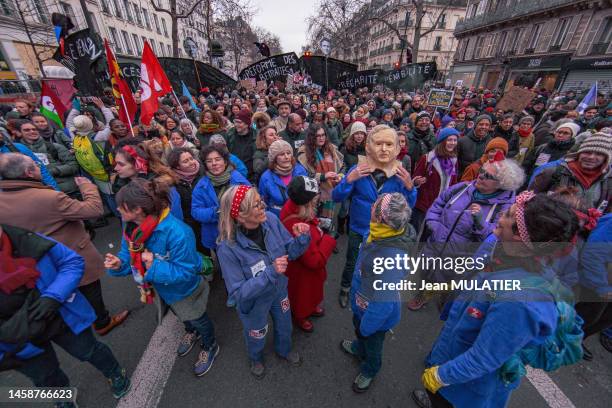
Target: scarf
(283, 170)
(380, 231)
(84, 153)
(136, 236)
(208, 127)
(402, 153)
(524, 133)
(447, 165)
(585, 177)
(478, 196)
(15, 272)
(221, 182)
(188, 176)
(47, 133)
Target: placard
(515, 99)
(357, 79)
(411, 76)
(278, 66)
(261, 86)
(440, 98)
(248, 84)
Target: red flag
(153, 82)
(127, 105)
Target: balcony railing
(516, 9)
(599, 48)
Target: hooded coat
(307, 274)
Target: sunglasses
(482, 173)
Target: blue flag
(589, 99)
(187, 94)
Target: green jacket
(60, 163)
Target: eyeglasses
(482, 173)
(260, 204)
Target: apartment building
(559, 44)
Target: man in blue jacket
(377, 309)
(467, 364)
(378, 173)
(40, 304)
(7, 146)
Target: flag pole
(127, 115)
(179, 103)
(195, 65)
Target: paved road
(323, 380)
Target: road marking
(546, 387)
(155, 366)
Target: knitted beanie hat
(481, 118)
(599, 143)
(443, 134)
(276, 148)
(358, 127)
(573, 127)
(497, 143)
(82, 124)
(245, 116)
(301, 189)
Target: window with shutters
(128, 11)
(560, 33)
(137, 14)
(152, 43)
(546, 36)
(437, 44)
(478, 48)
(137, 45)
(469, 51)
(145, 18)
(105, 6)
(128, 43)
(502, 43)
(573, 31)
(69, 11)
(115, 39)
(589, 36)
(169, 50)
(156, 24)
(118, 12)
(534, 37)
(144, 40)
(164, 27)
(603, 37)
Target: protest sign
(357, 79)
(317, 67)
(411, 76)
(178, 69)
(248, 84)
(440, 98)
(131, 73)
(261, 86)
(278, 66)
(515, 99)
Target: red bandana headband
(237, 200)
(140, 163)
(521, 199)
(590, 218)
(384, 207)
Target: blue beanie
(445, 133)
(446, 120)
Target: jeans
(352, 251)
(204, 326)
(44, 369)
(369, 349)
(93, 294)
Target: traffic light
(307, 54)
(396, 65)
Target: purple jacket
(454, 230)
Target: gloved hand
(43, 308)
(431, 379)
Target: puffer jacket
(61, 270)
(274, 191)
(453, 227)
(379, 310)
(174, 272)
(61, 164)
(363, 194)
(205, 207)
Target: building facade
(127, 24)
(379, 28)
(555, 44)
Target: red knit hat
(244, 115)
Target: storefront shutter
(584, 79)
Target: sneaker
(120, 385)
(187, 342)
(293, 358)
(258, 369)
(347, 347)
(205, 360)
(343, 297)
(361, 383)
(421, 398)
(605, 341)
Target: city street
(324, 379)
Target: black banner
(276, 67)
(84, 56)
(178, 69)
(131, 73)
(409, 76)
(358, 79)
(316, 66)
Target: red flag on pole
(121, 89)
(153, 82)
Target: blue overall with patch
(257, 288)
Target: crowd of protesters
(261, 185)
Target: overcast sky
(285, 18)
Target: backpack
(563, 347)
